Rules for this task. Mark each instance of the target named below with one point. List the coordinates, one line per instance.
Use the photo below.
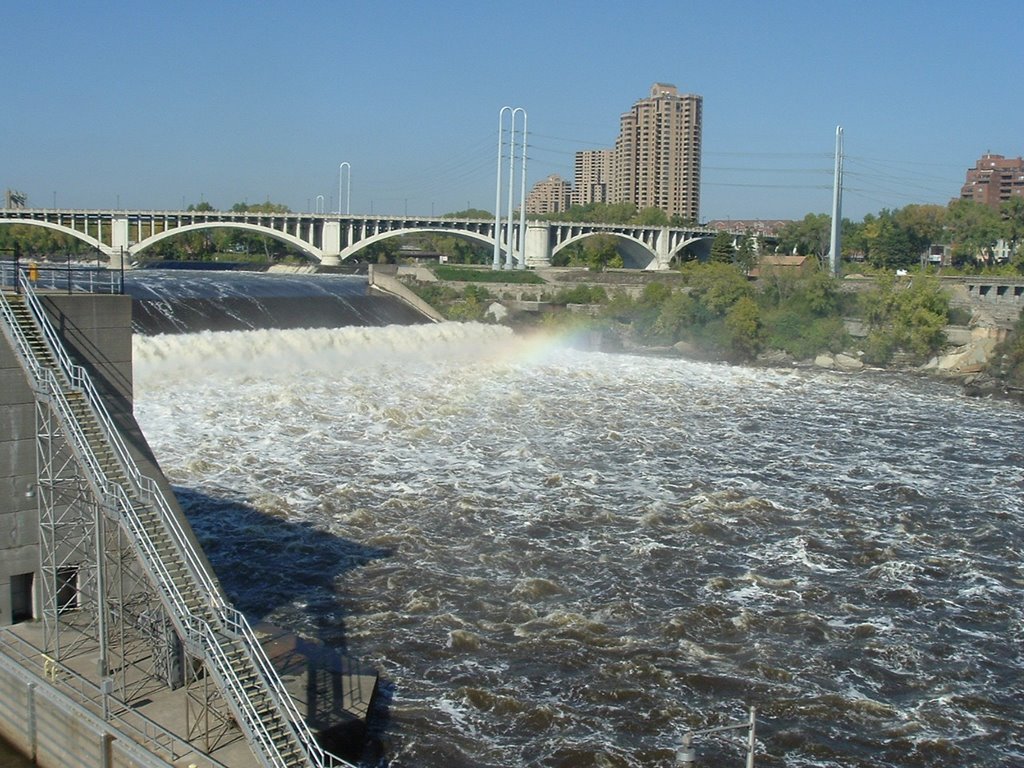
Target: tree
(469, 213)
(746, 253)
(973, 230)
(894, 245)
(267, 207)
(722, 250)
(716, 286)
(601, 252)
(651, 217)
(810, 235)
(904, 315)
(744, 329)
(1012, 214)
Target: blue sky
(149, 105)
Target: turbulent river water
(566, 558)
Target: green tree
(906, 316)
(469, 213)
(722, 250)
(744, 329)
(746, 253)
(601, 252)
(651, 217)
(716, 286)
(1012, 214)
(973, 230)
(812, 235)
(895, 244)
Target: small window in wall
(67, 589)
(21, 597)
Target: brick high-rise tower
(657, 155)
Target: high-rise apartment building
(593, 176)
(994, 179)
(552, 195)
(656, 161)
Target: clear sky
(156, 104)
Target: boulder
(848, 363)
(825, 361)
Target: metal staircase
(210, 630)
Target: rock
(685, 348)
(825, 361)
(848, 363)
(775, 357)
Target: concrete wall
(54, 732)
(19, 518)
(97, 330)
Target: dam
(117, 644)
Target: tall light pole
(348, 188)
(522, 202)
(835, 257)
(513, 111)
(319, 204)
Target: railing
(25, 657)
(70, 277)
(196, 629)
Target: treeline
(716, 312)
(894, 239)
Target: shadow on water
(289, 574)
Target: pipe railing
(70, 277)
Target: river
(565, 558)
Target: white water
(563, 558)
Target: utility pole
(835, 255)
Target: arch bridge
(121, 235)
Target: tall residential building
(552, 195)
(657, 155)
(994, 179)
(593, 176)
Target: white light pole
(513, 111)
(835, 257)
(348, 188)
(319, 204)
(522, 202)
(497, 194)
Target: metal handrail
(150, 731)
(194, 628)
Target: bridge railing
(70, 277)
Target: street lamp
(348, 187)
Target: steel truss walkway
(120, 574)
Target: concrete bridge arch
(92, 242)
(277, 234)
(351, 250)
(633, 248)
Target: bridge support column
(537, 252)
(120, 245)
(331, 246)
(662, 250)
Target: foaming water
(566, 558)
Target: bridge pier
(537, 252)
(662, 250)
(331, 243)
